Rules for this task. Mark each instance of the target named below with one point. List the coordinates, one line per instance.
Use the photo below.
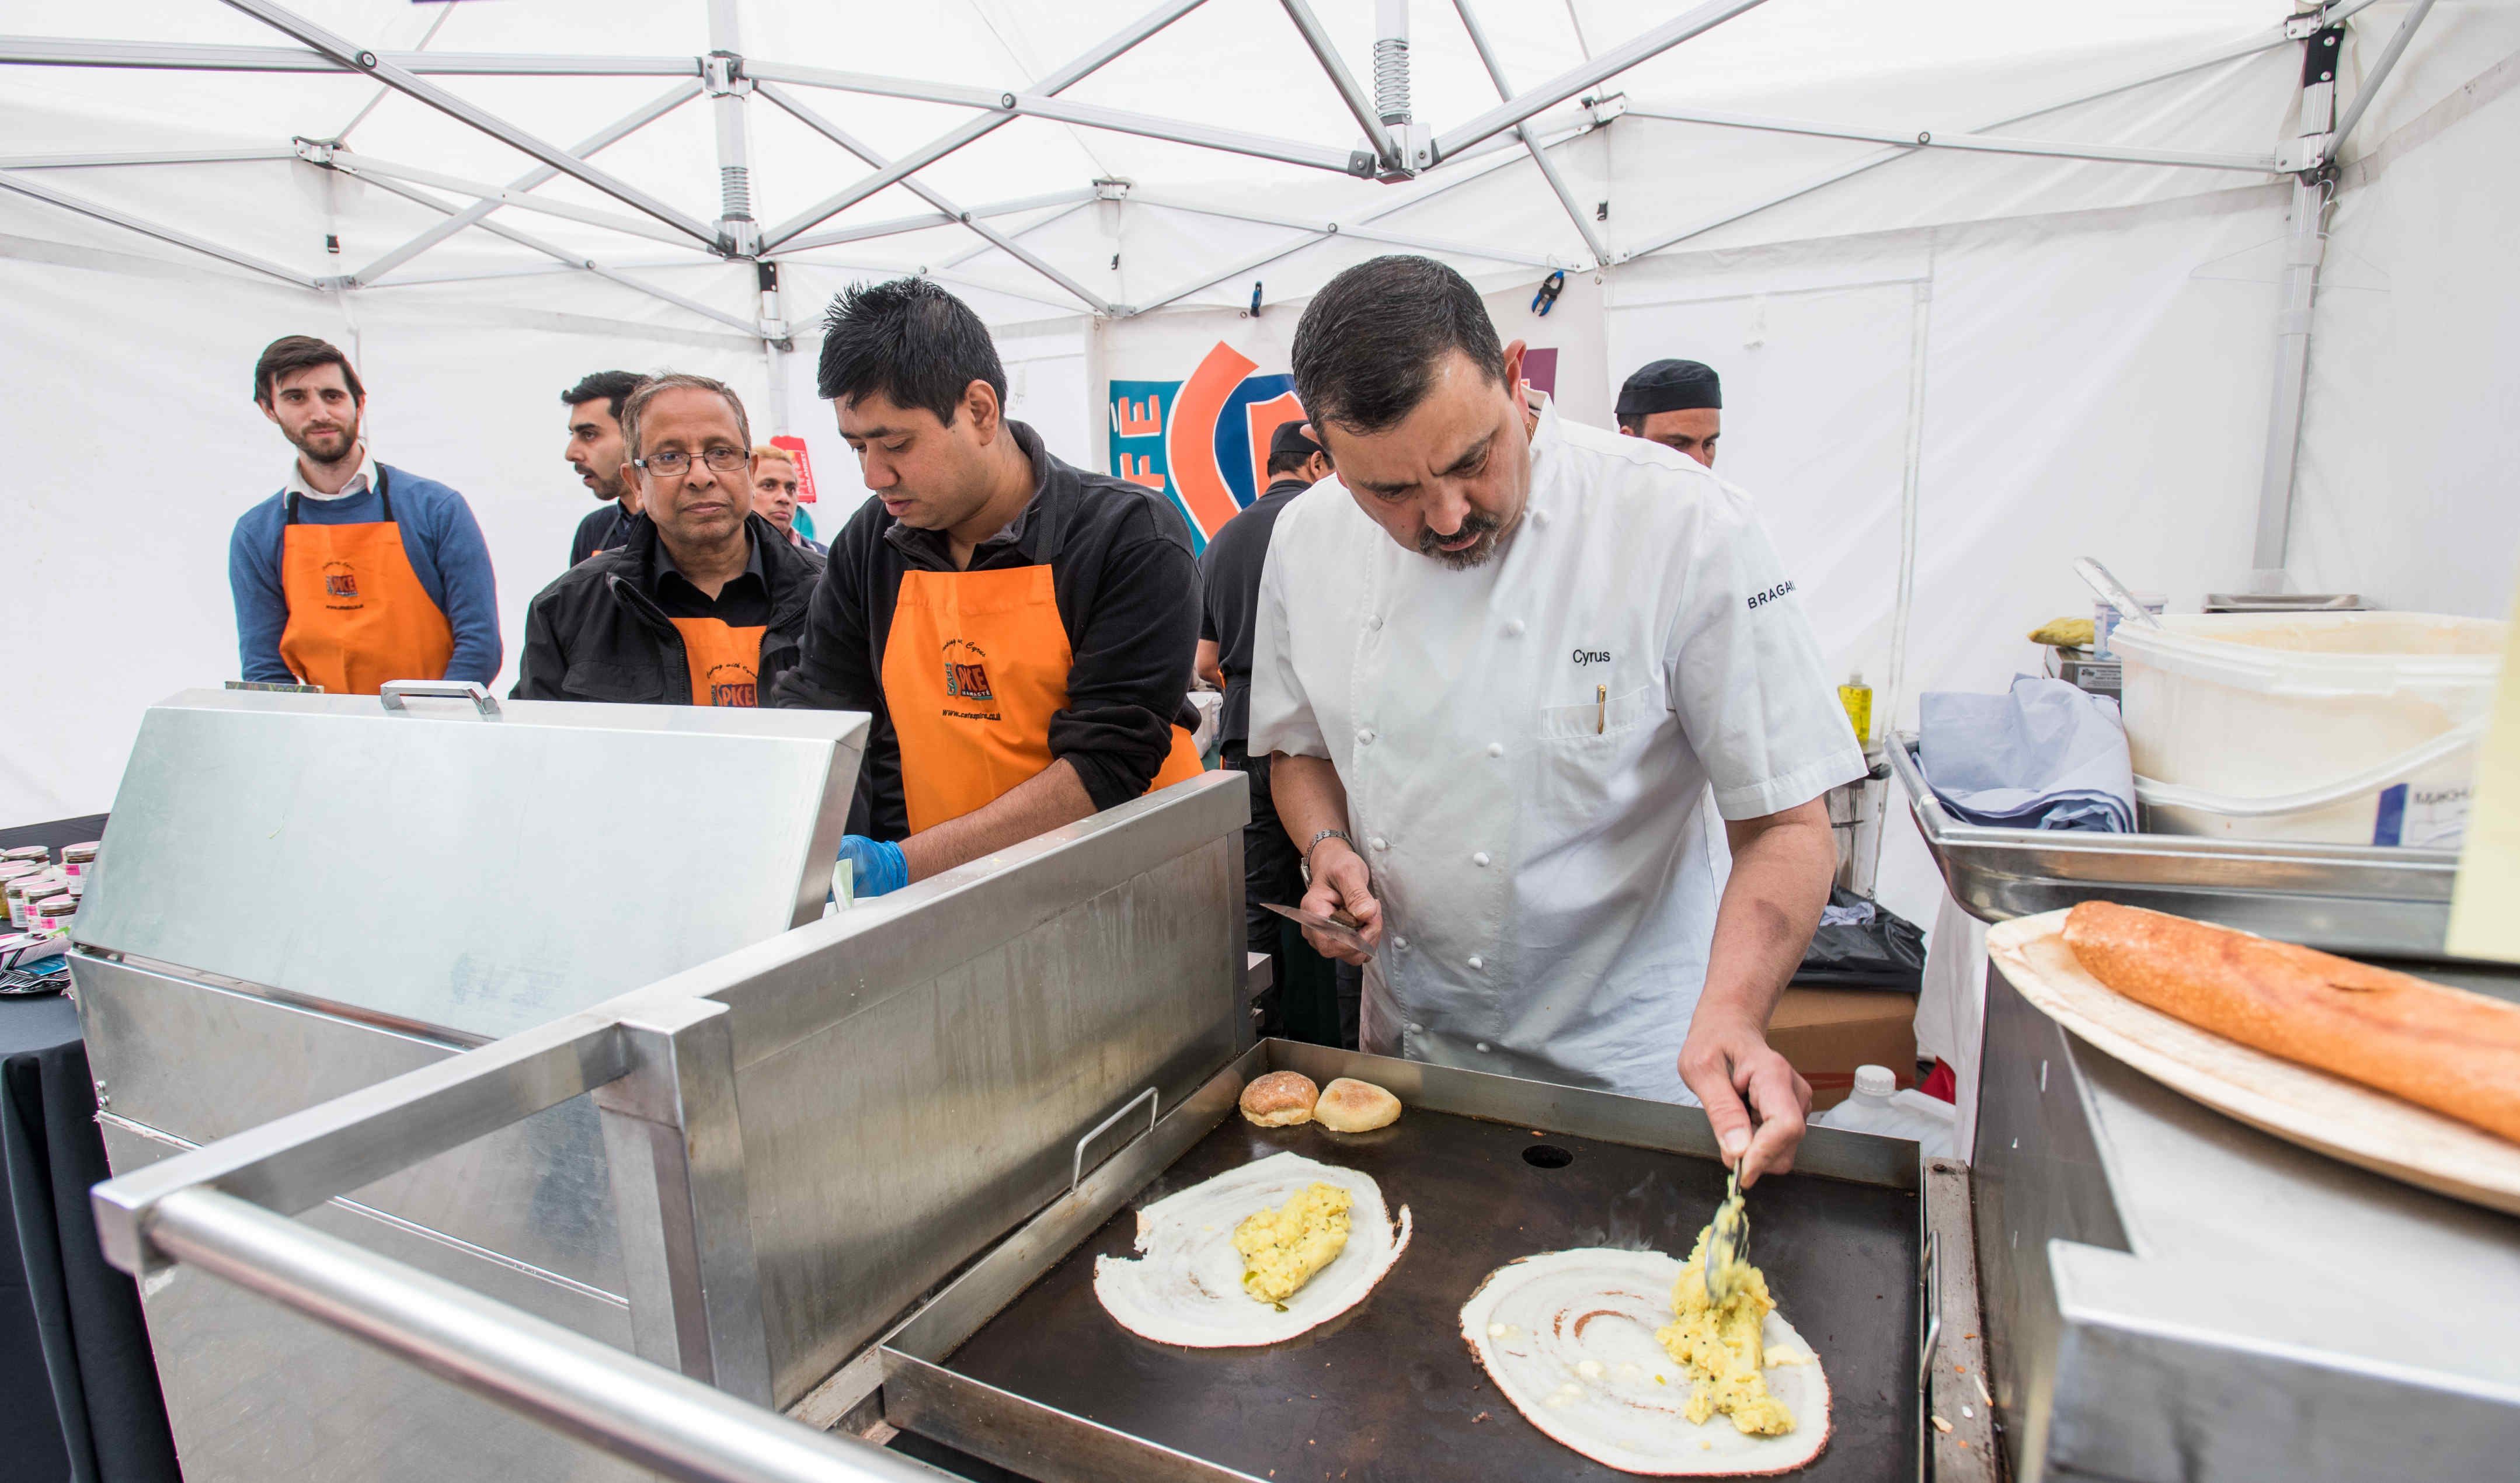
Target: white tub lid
(2377, 652)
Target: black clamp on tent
(1550, 288)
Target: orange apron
(724, 660)
(975, 666)
(357, 614)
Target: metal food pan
(1017, 1364)
(2346, 898)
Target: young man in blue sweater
(355, 572)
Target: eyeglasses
(672, 464)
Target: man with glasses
(704, 603)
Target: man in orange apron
(1022, 629)
(355, 572)
(705, 603)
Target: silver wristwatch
(1306, 863)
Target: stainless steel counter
(2172, 1295)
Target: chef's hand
(1341, 882)
(878, 867)
(1729, 1063)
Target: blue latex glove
(878, 868)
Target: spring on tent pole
(1391, 79)
(734, 192)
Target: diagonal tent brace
(403, 80)
(124, 219)
(997, 239)
(572, 259)
(602, 139)
(946, 144)
(1567, 84)
(1592, 241)
(1325, 52)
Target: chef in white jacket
(1500, 660)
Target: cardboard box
(1826, 1033)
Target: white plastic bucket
(2345, 728)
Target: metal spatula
(1728, 1243)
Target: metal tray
(2346, 898)
(1018, 1364)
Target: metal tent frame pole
(614, 133)
(124, 219)
(403, 81)
(1592, 240)
(2320, 136)
(1574, 80)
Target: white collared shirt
(1528, 748)
(360, 482)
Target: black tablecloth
(78, 1389)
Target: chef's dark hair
(293, 353)
(910, 340)
(1369, 343)
(611, 388)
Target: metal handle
(1076, 1170)
(641, 1412)
(390, 694)
(1933, 1265)
(2114, 592)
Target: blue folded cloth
(2043, 755)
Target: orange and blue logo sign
(340, 582)
(1203, 441)
(966, 675)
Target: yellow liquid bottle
(1857, 697)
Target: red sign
(795, 448)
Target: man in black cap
(1677, 403)
(1303, 1002)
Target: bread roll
(2453, 1051)
(1280, 1099)
(1349, 1105)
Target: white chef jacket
(1528, 746)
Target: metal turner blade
(1728, 1243)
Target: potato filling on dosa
(1189, 1282)
(1571, 1339)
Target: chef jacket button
(1484, 1045)
(1495, 748)
(1481, 858)
(1416, 1029)
(1513, 628)
(1374, 621)
(1538, 518)
(1477, 962)
(1398, 941)
(1365, 736)
(1378, 842)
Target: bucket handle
(2449, 744)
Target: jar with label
(53, 913)
(18, 870)
(26, 854)
(79, 859)
(24, 892)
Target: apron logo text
(967, 679)
(340, 581)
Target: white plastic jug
(1879, 1106)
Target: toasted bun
(1280, 1099)
(1348, 1105)
(2453, 1051)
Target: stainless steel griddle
(1018, 1364)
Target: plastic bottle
(1857, 697)
(1879, 1106)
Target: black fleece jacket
(596, 635)
(1127, 589)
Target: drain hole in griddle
(1547, 1156)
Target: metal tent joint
(722, 74)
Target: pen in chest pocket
(1602, 717)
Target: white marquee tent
(1992, 283)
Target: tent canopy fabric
(1957, 348)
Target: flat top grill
(1389, 1389)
